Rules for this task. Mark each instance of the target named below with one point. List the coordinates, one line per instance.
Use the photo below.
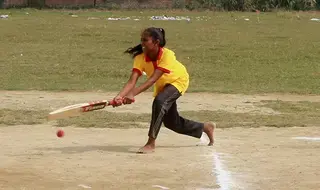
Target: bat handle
(112, 102)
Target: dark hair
(155, 33)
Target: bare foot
(149, 147)
(146, 149)
(209, 129)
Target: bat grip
(112, 102)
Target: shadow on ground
(107, 148)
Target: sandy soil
(32, 157)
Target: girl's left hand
(118, 101)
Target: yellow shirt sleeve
(166, 61)
(137, 65)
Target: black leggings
(164, 110)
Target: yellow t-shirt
(174, 72)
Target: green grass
(25, 117)
(300, 114)
(50, 50)
(300, 107)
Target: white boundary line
(307, 138)
(224, 178)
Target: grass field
(51, 50)
(254, 75)
(225, 52)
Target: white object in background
(164, 17)
(111, 18)
(4, 16)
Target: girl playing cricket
(170, 79)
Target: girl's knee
(159, 100)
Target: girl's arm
(130, 84)
(155, 76)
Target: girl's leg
(181, 125)
(161, 104)
(164, 109)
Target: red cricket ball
(60, 133)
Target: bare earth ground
(32, 157)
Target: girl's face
(148, 44)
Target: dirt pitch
(32, 157)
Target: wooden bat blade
(78, 109)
